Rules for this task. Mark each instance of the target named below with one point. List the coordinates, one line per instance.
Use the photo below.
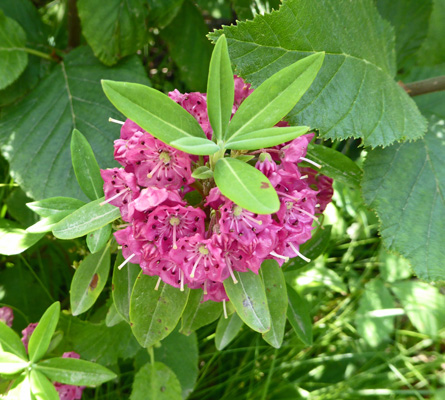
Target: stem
(73, 25)
(38, 53)
(426, 86)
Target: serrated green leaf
(13, 58)
(246, 186)
(11, 364)
(220, 89)
(97, 240)
(86, 167)
(275, 97)
(55, 205)
(355, 89)
(227, 329)
(248, 296)
(155, 313)
(42, 335)
(41, 387)
(72, 371)
(195, 145)
(14, 239)
(265, 138)
(299, 317)
(89, 280)
(202, 173)
(10, 342)
(86, 219)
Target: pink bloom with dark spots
(27, 332)
(6, 315)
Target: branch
(73, 25)
(426, 86)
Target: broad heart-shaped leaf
(298, 316)
(354, 94)
(155, 313)
(197, 314)
(10, 341)
(153, 111)
(220, 89)
(246, 186)
(11, 364)
(72, 371)
(89, 280)
(122, 285)
(195, 145)
(275, 285)
(97, 240)
(55, 205)
(86, 219)
(115, 28)
(158, 380)
(14, 239)
(263, 138)
(227, 329)
(275, 97)
(35, 133)
(248, 296)
(41, 337)
(41, 387)
(405, 185)
(86, 167)
(13, 59)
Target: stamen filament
(157, 166)
(192, 275)
(304, 177)
(310, 162)
(230, 270)
(114, 197)
(126, 261)
(158, 283)
(182, 280)
(257, 221)
(205, 287)
(298, 253)
(174, 237)
(116, 121)
(272, 253)
(225, 309)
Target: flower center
(237, 210)
(174, 221)
(164, 157)
(203, 250)
(289, 205)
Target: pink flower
(27, 332)
(6, 315)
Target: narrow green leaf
(299, 317)
(42, 335)
(48, 223)
(335, 165)
(265, 138)
(248, 296)
(86, 167)
(72, 371)
(97, 239)
(153, 111)
(10, 342)
(275, 285)
(14, 239)
(220, 89)
(227, 329)
(122, 285)
(113, 317)
(89, 280)
(275, 97)
(55, 205)
(21, 389)
(202, 173)
(155, 313)
(86, 219)
(246, 186)
(11, 364)
(195, 145)
(197, 314)
(41, 387)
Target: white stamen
(192, 275)
(181, 274)
(158, 283)
(307, 213)
(310, 162)
(174, 237)
(114, 197)
(272, 253)
(299, 254)
(119, 247)
(205, 287)
(304, 177)
(116, 121)
(230, 270)
(225, 309)
(126, 261)
(157, 166)
(257, 221)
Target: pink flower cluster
(201, 246)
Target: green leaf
(158, 380)
(115, 28)
(202, 173)
(246, 186)
(14, 240)
(275, 285)
(392, 267)
(197, 314)
(97, 240)
(10, 364)
(113, 317)
(424, 305)
(86, 167)
(41, 387)
(247, 9)
(16, 203)
(375, 329)
(188, 46)
(89, 280)
(299, 317)
(355, 89)
(72, 371)
(90, 217)
(317, 275)
(55, 205)
(13, 59)
(122, 285)
(35, 133)
(312, 249)
(220, 89)
(155, 313)
(10, 341)
(275, 97)
(265, 138)
(335, 165)
(248, 296)
(42, 335)
(195, 145)
(227, 329)
(47, 224)
(163, 11)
